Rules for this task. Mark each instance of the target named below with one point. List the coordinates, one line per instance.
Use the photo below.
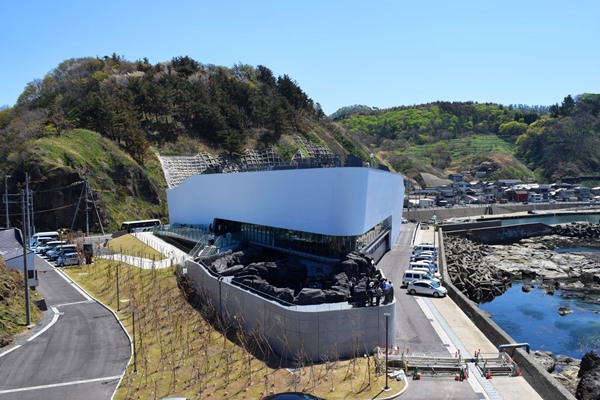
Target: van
(418, 249)
(435, 275)
(423, 264)
(37, 238)
(410, 276)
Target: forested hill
(176, 107)
(104, 119)
(546, 143)
(134, 102)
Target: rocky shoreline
(483, 272)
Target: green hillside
(520, 142)
(104, 119)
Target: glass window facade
(332, 247)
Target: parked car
(424, 264)
(427, 287)
(411, 276)
(430, 258)
(56, 252)
(68, 259)
(421, 247)
(43, 249)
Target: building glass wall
(333, 247)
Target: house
(583, 193)
(456, 178)
(563, 194)
(11, 250)
(507, 183)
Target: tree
(512, 129)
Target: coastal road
(81, 353)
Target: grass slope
(180, 354)
(12, 305)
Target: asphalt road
(414, 330)
(82, 355)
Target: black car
(292, 396)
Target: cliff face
(118, 187)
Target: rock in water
(564, 311)
(526, 288)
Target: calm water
(553, 219)
(533, 318)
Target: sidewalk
(450, 321)
(173, 256)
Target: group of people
(376, 289)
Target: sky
(341, 53)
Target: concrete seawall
(502, 234)
(546, 386)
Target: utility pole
(6, 199)
(25, 270)
(387, 346)
(28, 232)
(87, 208)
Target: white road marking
(8, 351)
(108, 378)
(76, 302)
(54, 319)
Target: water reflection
(533, 318)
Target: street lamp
(387, 345)
(6, 198)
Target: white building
(11, 251)
(341, 207)
(324, 213)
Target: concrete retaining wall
(504, 234)
(543, 383)
(312, 333)
(472, 225)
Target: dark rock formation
(283, 279)
(589, 372)
(582, 230)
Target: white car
(428, 287)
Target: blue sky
(380, 53)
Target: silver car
(427, 287)
(68, 259)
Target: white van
(37, 238)
(410, 276)
(418, 249)
(435, 275)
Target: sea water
(533, 317)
